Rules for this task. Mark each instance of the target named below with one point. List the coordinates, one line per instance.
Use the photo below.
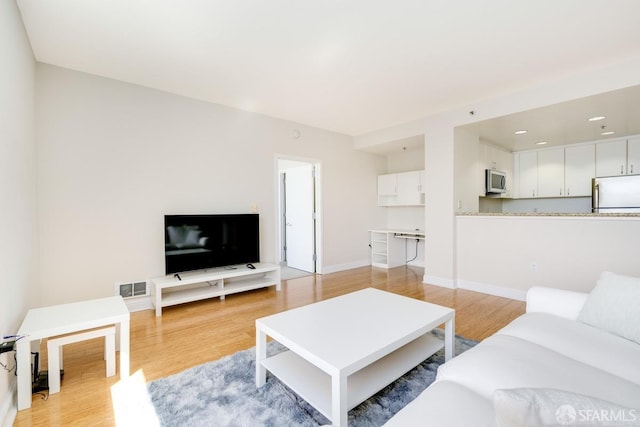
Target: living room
(91, 164)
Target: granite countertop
(546, 214)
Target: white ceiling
(348, 66)
(566, 123)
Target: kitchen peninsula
(505, 254)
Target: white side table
(63, 319)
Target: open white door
(299, 218)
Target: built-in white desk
(62, 319)
(388, 246)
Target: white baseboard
(485, 288)
(8, 408)
(439, 281)
(499, 291)
(347, 266)
(139, 303)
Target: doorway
(298, 218)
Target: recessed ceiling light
(521, 132)
(541, 143)
(596, 118)
(609, 132)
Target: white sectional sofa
(572, 359)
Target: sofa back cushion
(614, 306)
(505, 361)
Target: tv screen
(196, 242)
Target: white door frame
(318, 203)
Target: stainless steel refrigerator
(616, 194)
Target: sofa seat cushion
(535, 407)
(445, 404)
(579, 341)
(504, 361)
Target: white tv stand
(215, 282)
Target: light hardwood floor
(195, 333)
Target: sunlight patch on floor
(131, 402)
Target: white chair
(54, 350)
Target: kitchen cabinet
(527, 174)
(633, 156)
(401, 189)
(541, 173)
(410, 191)
(619, 157)
(387, 189)
(579, 168)
(567, 171)
(492, 157)
(558, 172)
(611, 158)
(387, 185)
(550, 173)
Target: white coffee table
(345, 349)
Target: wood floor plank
(190, 334)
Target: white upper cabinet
(619, 157)
(579, 168)
(401, 189)
(387, 190)
(551, 173)
(528, 174)
(387, 185)
(492, 157)
(505, 160)
(567, 171)
(540, 173)
(633, 156)
(410, 189)
(611, 158)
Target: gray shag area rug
(223, 393)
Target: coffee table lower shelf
(314, 385)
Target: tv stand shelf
(215, 282)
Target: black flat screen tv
(197, 242)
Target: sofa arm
(560, 302)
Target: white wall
(400, 160)
(114, 158)
(495, 254)
(17, 188)
(468, 171)
(439, 206)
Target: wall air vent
(132, 289)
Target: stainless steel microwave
(496, 181)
